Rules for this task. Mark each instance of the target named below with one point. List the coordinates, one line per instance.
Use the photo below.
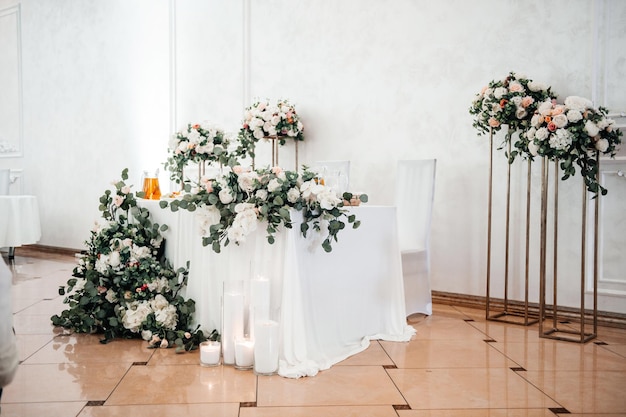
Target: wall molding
(14, 147)
(605, 318)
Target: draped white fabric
(19, 220)
(329, 305)
(415, 188)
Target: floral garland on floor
(266, 120)
(123, 286)
(230, 206)
(511, 101)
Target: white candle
(232, 324)
(244, 353)
(259, 302)
(210, 353)
(266, 347)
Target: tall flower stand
(275, 143)
(502, 309)
(550, 328)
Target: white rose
(545, 108)
(246, 181)
(578, 103)
(205, 149)
(603, 123)
(258, 134)
(207, 216)
(533, 148)
(114, 259)
(194, 136)
(574, 115)
(602, 145)
(139, 252)
(542, 133)
(499, 92)
(146, 335)
(261, 195)
(80, 284)
(293, 195)
(517, 100)
(535, 86)
(561, 139)
(328, 199)
(159, 303)
(110, 296)
(560, 120)
(591, 128)
(521, 113)
(226, 196)
(275, 120)
(536, 120)
(273, 185)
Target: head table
(328, 305)
(19, 221)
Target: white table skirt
(329, 305)
(19, 220)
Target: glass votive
(266, 347)
(244, 353)
(210, 353)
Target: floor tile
(471, 353)
(86, 348)
(170, 357)
(184, 384)
(320, 411)
(28, 344)
(490, 412)
(36, 324)
(503, 332)
(467, 388)
(339, 385)
(47, 409)
(619, 349)
(560, 355)
(373, 355)
(435, 327)
(165, 410)
(583, 391)
(64, 382)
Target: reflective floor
(457, 364)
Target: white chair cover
(335, 173)
(5, 181)
(415, 189)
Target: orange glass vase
(151, 188)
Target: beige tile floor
(457, 364)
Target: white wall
(374, 81)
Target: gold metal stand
(554, 331)
(506, 313)
(275, 142)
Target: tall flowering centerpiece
(572, 133)
(197, 143)
(511, 101)
(123, 286)
(263, 119)
(230, 207)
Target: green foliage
(123, 286)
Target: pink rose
(277, 170)
(118, 200)
(551, 126)
(493, 122)
(237, 169)
(527, 101)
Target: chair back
(335, 173)
(5, 181)
(415, 191)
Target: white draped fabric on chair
(415, 189)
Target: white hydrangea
(207, 216)
(561, 139)
(135, 314)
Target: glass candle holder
(244, 353)
(210, 353)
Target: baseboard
(605, 318)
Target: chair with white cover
(5, 181)
(415, 189)
(335, 173)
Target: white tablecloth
(330, 305)
(19, 220)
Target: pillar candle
(259, 302)
(232, 324)
(266, 347)
(210, 353)
(244, 353)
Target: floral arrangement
(266, 120)
(231, 206)
(123, 286)
(573, 133)
(197, 143)
(511, 101)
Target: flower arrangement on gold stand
(123, 286)
(511, 101)
(573, 133)
(197, 143)
(230, 207)
(264, 120)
